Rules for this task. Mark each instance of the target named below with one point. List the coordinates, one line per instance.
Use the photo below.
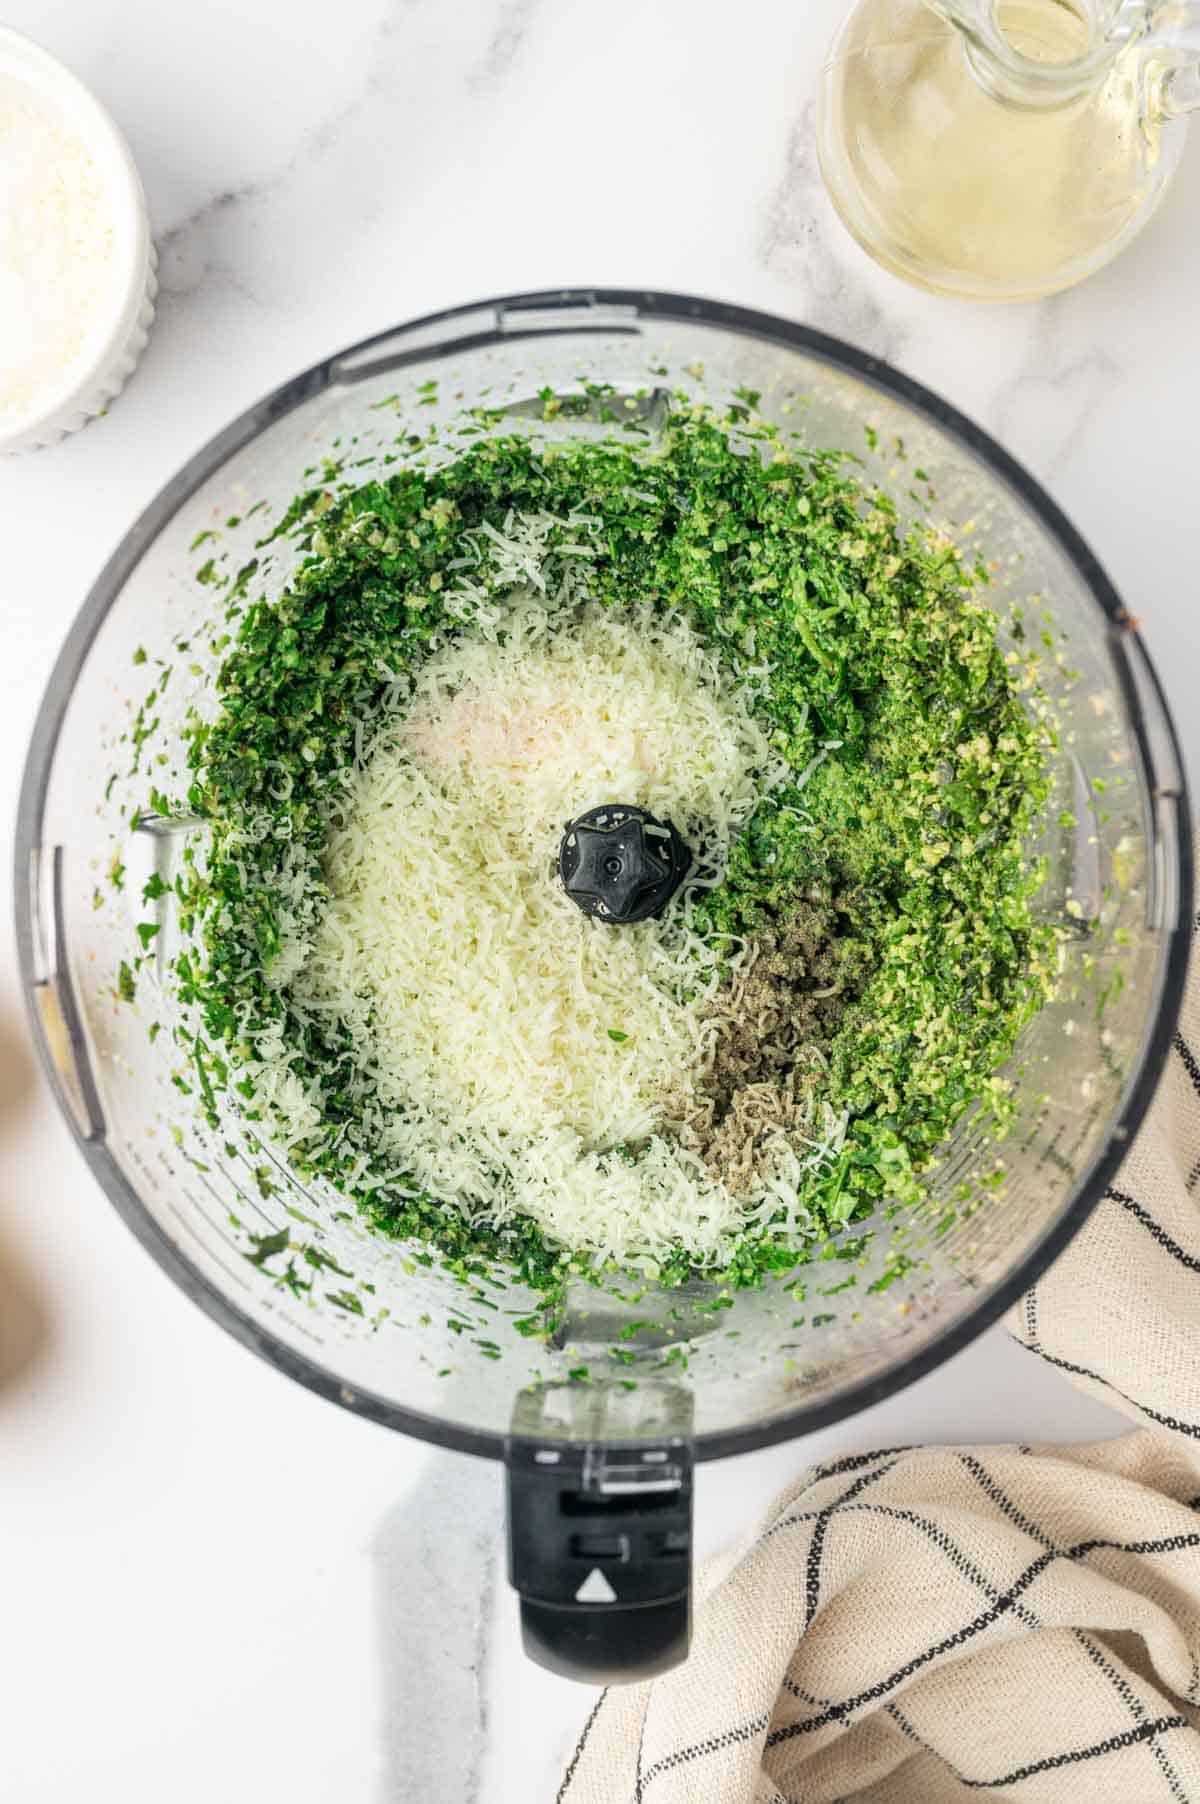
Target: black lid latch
(600, 1530)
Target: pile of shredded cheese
(57, 249)
(517, 1056)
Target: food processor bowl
(598, 1429)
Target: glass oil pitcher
(1003, 149)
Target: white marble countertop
(215, 1585)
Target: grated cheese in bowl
(77, 264)
(518, 1048)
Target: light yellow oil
(963, 190)
(1045, 31)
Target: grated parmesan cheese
(513, 1049)
(57, 251)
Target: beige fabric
(940, 1624)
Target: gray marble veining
(795, 247)
(434, 1561)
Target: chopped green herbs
(917, 776)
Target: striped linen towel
(936, 1624)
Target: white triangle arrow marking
(595, 1589)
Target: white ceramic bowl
(117, 335)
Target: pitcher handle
(1171, 66)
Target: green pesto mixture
(896, 860)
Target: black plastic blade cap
(618, 864)
(619, 1646)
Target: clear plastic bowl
(756, 1371)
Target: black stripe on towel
(1067, 1365)
(1153, 1228)
(1031, 1321)
(1190, 1063)
(816, 1546)
(850, 1462)
(1128, 1738)
(1014, 1514)
(579, 1747)
(1145, 1731)
(713, 1744)
(1136, 1709)
(1004, 1502)
(941, 1540)
(985, 1619)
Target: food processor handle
(599, 1551)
